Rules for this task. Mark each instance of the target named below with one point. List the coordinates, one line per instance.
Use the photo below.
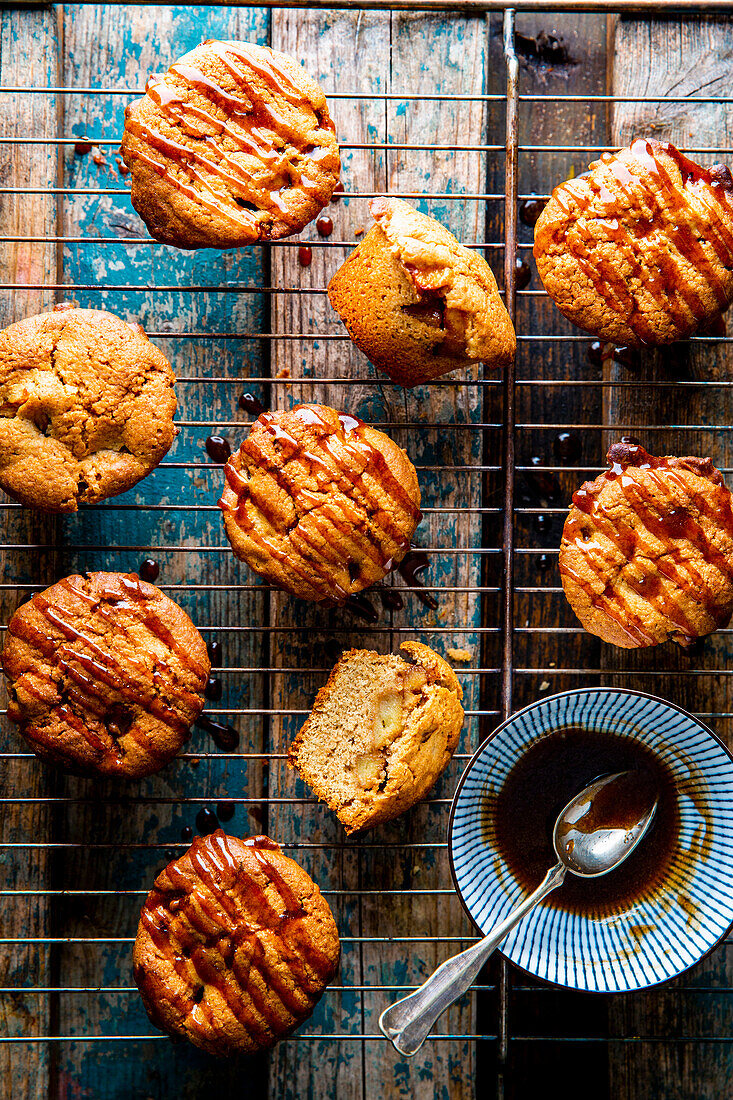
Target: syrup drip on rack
(530, 210)
(206, 821)
(251, 404)
(566, 446)
(213, 690)
(524, 273)
(149, 570)
(218, 449)
(414, 563)
(224, 737)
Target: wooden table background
(82, 854)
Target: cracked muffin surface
(235, 945)
(86, 408)
(417, 302)
(647, 550)
(105, 675)
(319, 503)
(232, 145)
(380, 733)
(639, 250)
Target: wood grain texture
(121, 835)
(373, 52)
(692, 57)
(550, 360)
(28, 55)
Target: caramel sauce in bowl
(656, 914)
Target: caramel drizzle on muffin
(250, 125)
(384, 538)
(672, 214)
(90, 670)
(215, 924)
(631, 543)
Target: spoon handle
(407, 1023)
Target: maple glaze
(670, 526)
(341, 456)
(645, 182)
(217, 118)
(90, 670)
(215, 915)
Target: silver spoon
(597, 830)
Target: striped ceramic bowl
(681, 921)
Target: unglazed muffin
(380, 733)
(416, 302)
(105, 675)
(647, 550)
(235, 945)
(319, 503)
(639, 250)
(86, 408)
(233, 144)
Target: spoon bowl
(601, 826)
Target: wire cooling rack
(515, 107)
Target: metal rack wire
(507, 665)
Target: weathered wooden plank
(28, 54)
(681, 58)
(115, 52)
(559, 55)
(345, 52)
(431, 55)
(353, 52)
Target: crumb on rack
(284, 372)
(359, 230)
(460, 654)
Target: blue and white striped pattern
(657, 937)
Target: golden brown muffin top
(647, 550)
(232, 144)
(86, 408)
(105, 674)
(320, 503)
(235, 945)
(639, 249)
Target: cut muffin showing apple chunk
(380, 733)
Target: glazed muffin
(235, 945)
(105, 675)
(647, 550)
(319, 503)
(380, 733)
(86, 408)
(639, 250)
(416, 302)
(233, 144)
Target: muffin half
(380, 733)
